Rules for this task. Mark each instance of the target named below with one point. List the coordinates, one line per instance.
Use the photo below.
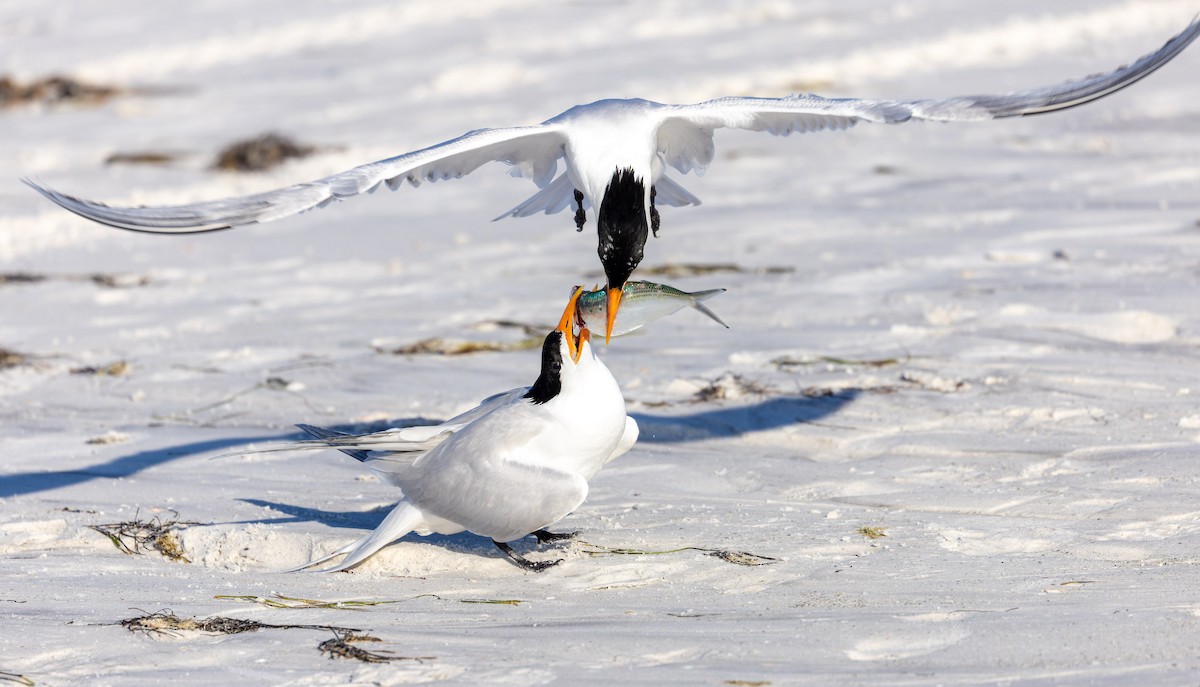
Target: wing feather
(685, 132)
(532, 151)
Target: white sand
(1031, 455)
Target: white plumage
(515, 464)
(596, 139)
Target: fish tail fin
(698, 303)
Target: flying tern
(512, 466)
(616, 153)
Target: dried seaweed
(729, 386)
(54, 90)
(166, 622)
(529, 329)
(438, 346)
(15, 677)
(21, 278)
(740, 557)
(260, 153)
(109, 437)
(787, 361)
(291, 602)
(114, 281)
(735, 557)
(133, 536)
(342, 646)
(119, 368)
(10, 358)
(111, 281)
(146, 157)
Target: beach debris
(532, 335)
(21, 278)
(145, 157)
(342, 646)
(451, 347)
(133, 536)
(932, 382)
(166, 622)
(729, 386)
(270, 384)
(740, 557)
(53, 90)
(291, 602)
(1062, 587)
(119, 368)
(112, 281)
(260, 153)
(109, 437)
(735, 557)
(538, 330)
(872, 532)
(115, 281)
(785, 362)
(10, 358)
(16, 678)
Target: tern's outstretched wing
(685, 135)
(533, 151)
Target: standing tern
(510, 467)
(616, 153)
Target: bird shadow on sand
(288, 513)
(734, 421)
(709, 423)
(365, 521)
(20, 483)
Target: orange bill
(567, 326)
(614, 302)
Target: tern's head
(623, 227)
(563, 352)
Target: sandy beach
(950, 438)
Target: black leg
(580, 215)
(654, 219)
(544, 536)
(523, 561)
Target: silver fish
(642, 302)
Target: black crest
(622, 226)
(549, 382)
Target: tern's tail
(322, 433)
(403, 518)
